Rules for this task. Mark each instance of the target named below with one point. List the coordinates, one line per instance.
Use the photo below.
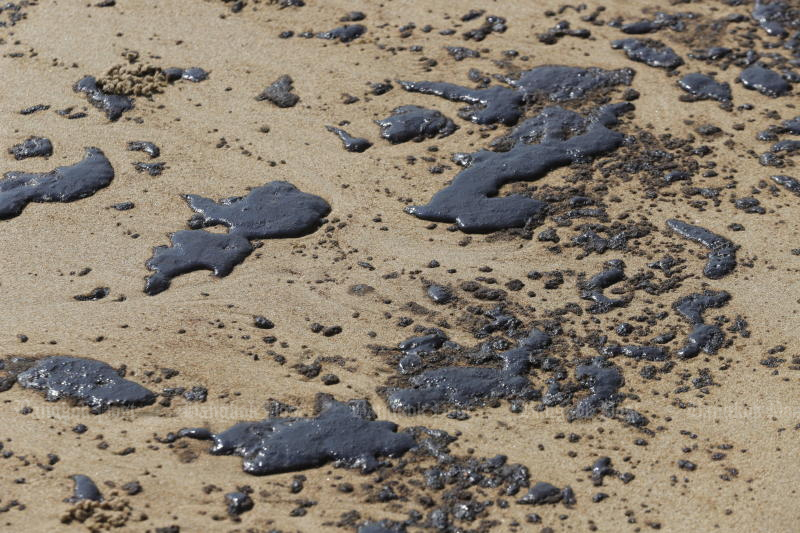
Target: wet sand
(202, 326)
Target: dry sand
(202, 326)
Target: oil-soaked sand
(720, 448)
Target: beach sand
(213, 141)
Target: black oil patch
(344, 34)
(84, 489)
(791, 184)
(604, 381)
(764, 80)
(414, 123)
(112, 104)
(564, 137)
(145, 146)
(487, 106)
(703, 87)
(722, 252)
(32, 147)
(86, 381)
(350, 143)
(64, 184)
(650, 52)
(498, 104)
(280, 92)
(274, 210)
(707, 338)
(559, 83)
(472, 386)
(195, 250)
(346, 434)
(593, 288)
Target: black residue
(791, 184)
(33, 109)
(640, 27)
(439, 294)
(704, 337)
(424, 344)
(123, 206)
(85, 489)
(263, 322)
(379, 87)
(32, 147)
(646, 353)
(713, 53)
(772, 17)
(414, 123)
(703, 87)
(145, 146)
(274, 210)
(593, 288)
(196, 433)
(345, 34)
(382, 526)
(194, 250)
(353, 16)
(113, 104)
(64, 184)
(193, 74)
(786, 145)
(661, 20)
(280, 92)
(89, 382)
(764, 80)
(351, 144)
(600, 469)
(468, 386)
(560, 30)
(344, 433)
(505, 105)
(541, 493)
(460, 53)
(791, 126)
(604, 381)
(487, 106)
(154, 169)
(561, 84)
(565, 137)
(95, 294)
(238, 502)
(722, 252)
(492, 24)
(649, 52)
